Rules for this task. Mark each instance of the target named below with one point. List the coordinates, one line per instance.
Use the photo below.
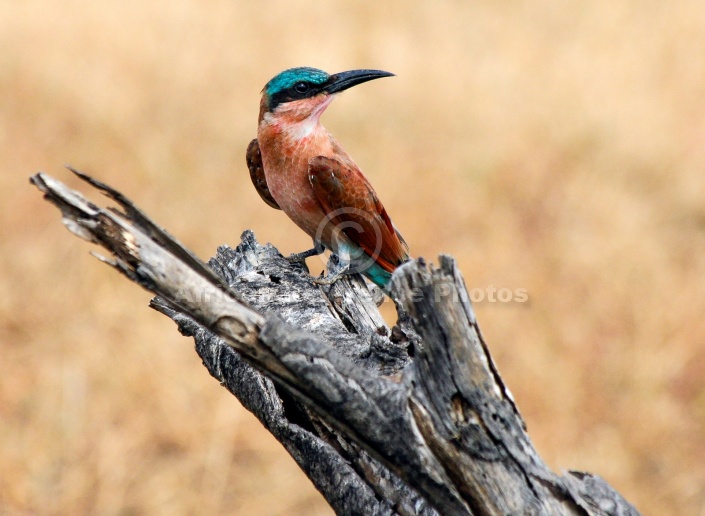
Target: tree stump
(413, 419)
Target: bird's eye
(301, 87)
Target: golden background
(557, 147)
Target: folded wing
(254, 164)
(344, 192)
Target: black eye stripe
(299, 90)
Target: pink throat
(299, 119)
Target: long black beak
(344, 80)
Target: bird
(297, 166)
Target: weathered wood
(409, 420)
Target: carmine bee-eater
(297, 167)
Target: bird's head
(299, 93)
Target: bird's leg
(300, 257)
(332, 278)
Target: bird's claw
(296, 258)
(332, 278)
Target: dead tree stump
(409, 420)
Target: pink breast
(286, 155)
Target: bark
(409, 420)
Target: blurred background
(555, 147)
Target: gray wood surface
(413, 419)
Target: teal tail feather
(378, 276)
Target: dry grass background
(553, 146)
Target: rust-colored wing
(254, 163)
(345, 194)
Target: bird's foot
(332, 278)
(301, 257)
